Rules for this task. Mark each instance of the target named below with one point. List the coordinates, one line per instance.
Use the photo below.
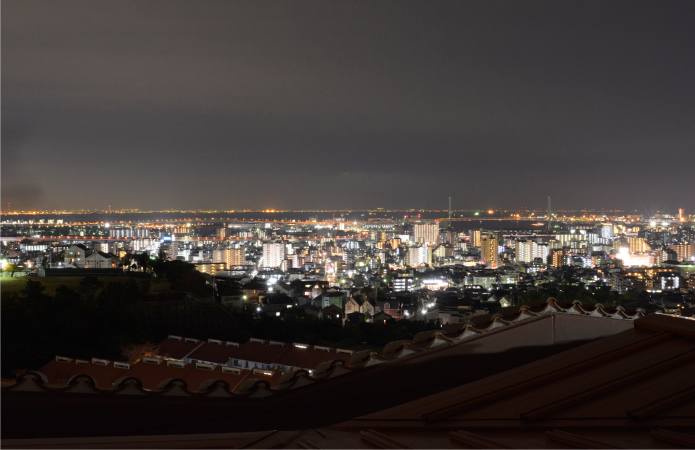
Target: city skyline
(347, 105)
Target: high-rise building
(605, 231)
(170, 249)
(638, 244)
(684, 252)
(476, 238)
(419, 255)
(427, 233)
(273, 254)
(221, 233)
(525, 251)
(542, 251)
(448, 236)
(559, 258)
(231, 257)
(490, 251)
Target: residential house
(101, 260)
(76, 255)
(332, 313)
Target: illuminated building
(605, 231)
(403, 283)
(395, 242)
(443, 251)
(297, 260)
(231, 257)
(476, 240)
(525, 251)
(559, 258)
(76, 255)
(426, 233)
(169, 247)
(490, 251)
(222, 233)
(638, 245)
(448, 236)
(419, 255)
(434, 284)
(684, 252)
(121, 232)
(209, 268)
(273, 254)
(101, 260)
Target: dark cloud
(152, 104)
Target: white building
(605, 231)
(420, 255)
(76, 255)
(273, 254)
(101, 260)
(527, 251)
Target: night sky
(337, 105)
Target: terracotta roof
(423, 345)
(177, 347)
(310, 357)
(631, 390)
(215, 353)
(403, 372)
(150, 376)
(60, 373)
(258, 352)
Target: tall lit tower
(450, 211)
(550, 217)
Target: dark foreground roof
(406, 372)
(634, 389)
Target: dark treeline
(36, 326)
(573, 290)
(97, 320)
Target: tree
(144, 261)
(90, 284)
(33, 290)
(127, 260)
(12, 268)
(135, 352)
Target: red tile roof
(634, 389)
(215, 353)
(177, 349)
(533, 389)
(309, 358)
(61, 372)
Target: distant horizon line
(281, 211)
